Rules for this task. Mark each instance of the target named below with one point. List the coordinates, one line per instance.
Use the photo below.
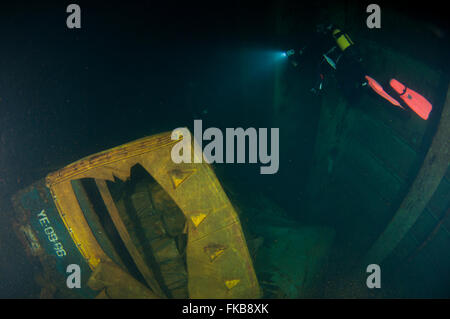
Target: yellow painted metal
(218, 261)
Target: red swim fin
(379, 90)
(415, 101)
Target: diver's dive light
(290, 52)
(293, 56)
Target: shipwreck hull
(61, 222)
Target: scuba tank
(342, 39)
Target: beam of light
(261, 63)
(276, 56)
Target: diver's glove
(295, 56)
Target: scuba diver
(339, 55)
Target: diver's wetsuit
(347, 66)
(350, 74)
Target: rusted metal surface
(212, 221)
(155, 224)
(48, 243)
(115, 283)
(430, 175)
(145, 270)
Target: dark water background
(135, 69)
